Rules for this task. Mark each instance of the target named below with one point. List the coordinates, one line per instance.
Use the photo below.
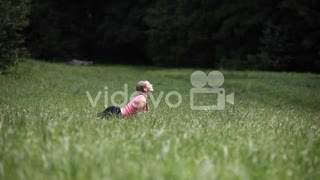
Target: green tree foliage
(291, 39)
(203, 33)
(122, 29)
(179, 34)
(239, 34)
(61, 30)
(13, 18)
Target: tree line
(232, 34)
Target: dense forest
(233, 34)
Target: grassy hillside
(49, 129)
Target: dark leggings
(110, 111)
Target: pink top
(132, 107)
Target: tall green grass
(49, 130)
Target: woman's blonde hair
(141, 85)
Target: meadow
(49, 129)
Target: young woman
(138, 104)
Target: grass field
(49, 130)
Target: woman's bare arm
(140, 104)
